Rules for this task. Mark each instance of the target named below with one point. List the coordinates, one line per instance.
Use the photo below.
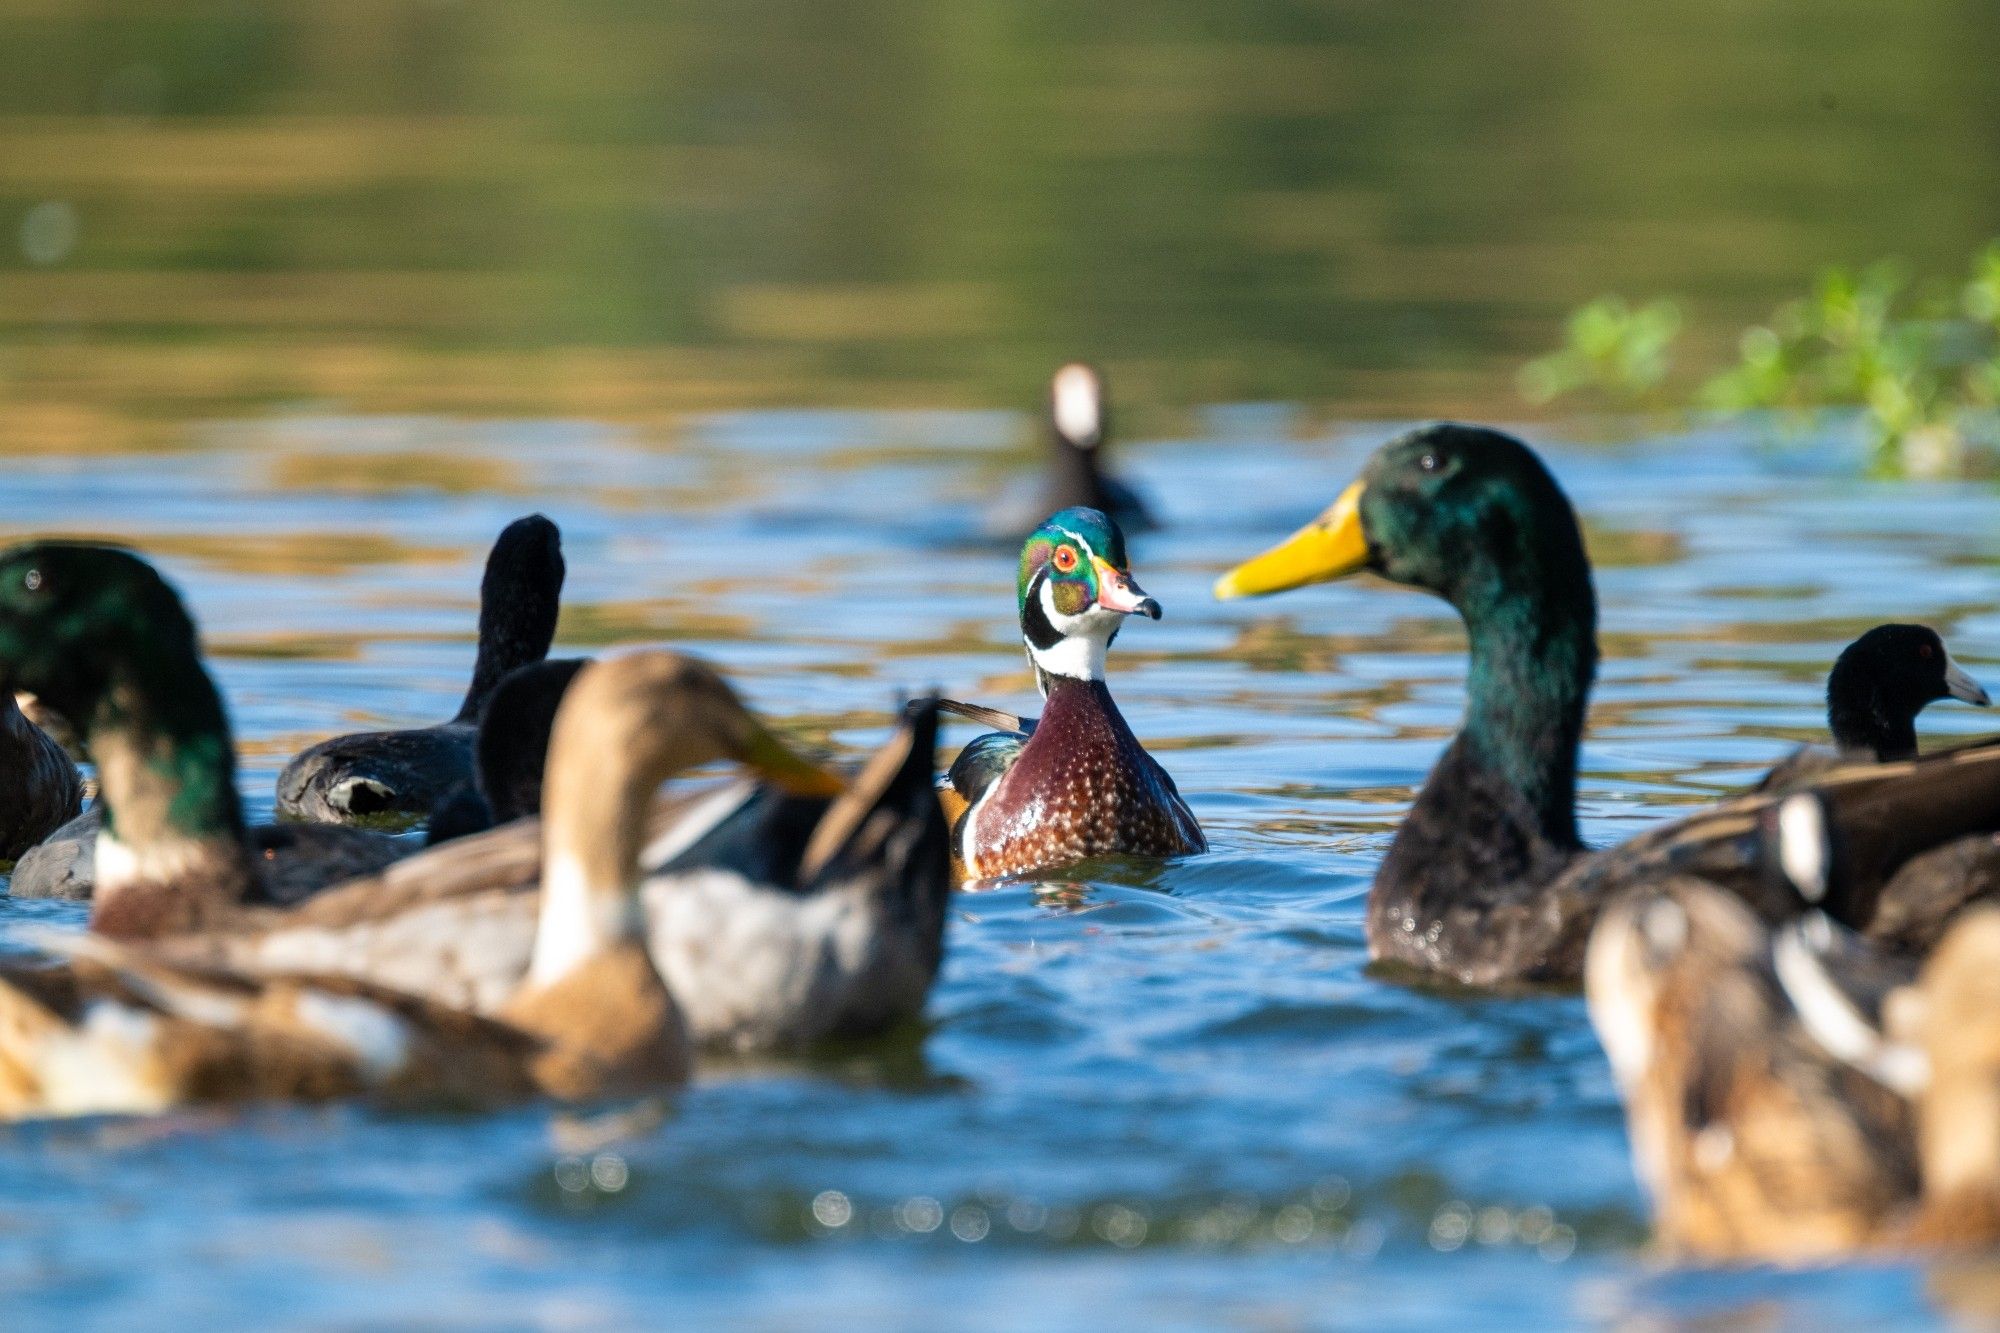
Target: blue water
(1170, 1096)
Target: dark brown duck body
(1081, 786)
(40, 788)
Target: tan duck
(1801, 1095)
(779, 914)
(1488, 881)
(123, 1028)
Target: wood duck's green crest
(1074, 591)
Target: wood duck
(1878, 685)
(97, 633)
(1079, 424)
(781, 914)
(1077, 783)
(1487, 880)
(125, 1028)
(399, 776)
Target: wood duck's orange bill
(1117, 592)
(1332, 546)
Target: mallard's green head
(72, 615)
(1465, 512)
(1074, 592)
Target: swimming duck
(40, 789)
(1753, 1141)
(1487, 881)
(122, 1028)
(779, 919)
(1878, 685)
(511, 751)
(1799, 1093)
(403, 774)
(97, 633)
(1078, 783)
(1078, 418)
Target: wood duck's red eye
(1065, 559)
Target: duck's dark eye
(1924, 651)
(32, 581)
(1429, 462)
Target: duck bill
(1117, 592)
(779, 765)
(1961, 686)
(1332, 546)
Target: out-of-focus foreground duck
(780, 914)
(1079, 420)
(404, 774)
(1878, 685)
(1076, 783)
(97, 633)
(122, 1028)
(1487, 881)
(1799, 1095)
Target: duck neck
(593, 825)
(1869, 727)
(1533, 655)
(173, 829)
(518, 607)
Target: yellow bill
(1332, 546)
(782, 767)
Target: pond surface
(1173, 1095)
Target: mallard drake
(40, 789)
(1878, 685)
(510, 753)
(1079, 424)
(1077, 783)
(1487, 881)
(778, 919)
(123, 1028)
(403, 774)
(97, 633)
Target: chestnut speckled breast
(1081, 786)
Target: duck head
(1076, 405)
(1461, 511)
(1075, 591)
(1882, 681)
(73, 614)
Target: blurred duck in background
(400, 776)
(1798, 1094)
(781, 913)
(1878, 685)
(40, 789)
(119, 1028)
(1076, 782)
(1079, 424)
(510, 753)
(98, 635)
(1488, 881)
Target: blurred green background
(625, 210)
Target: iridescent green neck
(1534, 653)
(166, 764)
